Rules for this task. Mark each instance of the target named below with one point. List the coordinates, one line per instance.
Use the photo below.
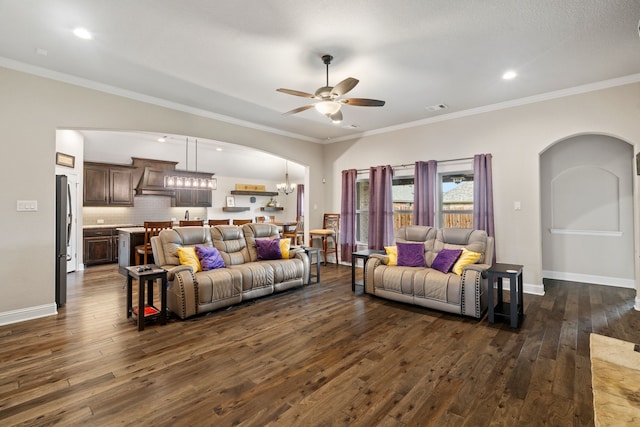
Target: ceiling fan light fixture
(327, 107)
(335, 118)
(329, 97)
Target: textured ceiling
(226, 58)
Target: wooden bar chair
(328, 233)
(213, 222)
(297, 234)
(151, 228)
(261, 219)
(241, 221)
(191, 222)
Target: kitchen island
(128, 239)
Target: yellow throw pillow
(392, 253)
(466, 258)
(189, 257)
(285, 246)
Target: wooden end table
(311, 251)
(148, 274)
(364, 256)
(514, 309)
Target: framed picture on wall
(66, 160)
(231, 202)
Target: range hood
(152, 173)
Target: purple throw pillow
(411, 254)
(268, 248)
(209, 257)
(445, 259)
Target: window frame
(360, 213)
(440, 212)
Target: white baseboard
(527, 288)
(530, 288)
(589, 278)
(29, 313)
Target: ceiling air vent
(437, 107)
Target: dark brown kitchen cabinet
(108, 184)
(187, 198)
(100, 246)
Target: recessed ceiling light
(218, 149)
(162, 139)
(509, 75)
(83, 33)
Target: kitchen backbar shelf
(235, 209)
(254, 193)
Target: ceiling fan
(329, 97)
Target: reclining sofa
(464, 293)
(243, 276)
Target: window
(362, 211)
(455, 195)
(402, 205)
(454, 206)
(402, 202)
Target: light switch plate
(27, 206)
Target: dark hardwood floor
(318, 355)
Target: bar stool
(296, 235)
(151, 228)
(241, 221)
(328, 233)
(191, 223)
(219, 221)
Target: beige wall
(515, 137)
(32, 108)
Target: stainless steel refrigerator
(63, 225)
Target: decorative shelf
(272, 209)
(234, 209)
(254, 193)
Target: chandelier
(285, 187)
(187, 181)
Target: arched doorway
(586, 190)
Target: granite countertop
(133, 229)
(85, 227)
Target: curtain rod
(413, 164)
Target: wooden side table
(514, 309)
(310, 253)
(364, 256)
(148, 274)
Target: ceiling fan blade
(297, 110)
(362, 102)
(344, 86)
(296, 93)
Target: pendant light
(188, 181)
(285, 187)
